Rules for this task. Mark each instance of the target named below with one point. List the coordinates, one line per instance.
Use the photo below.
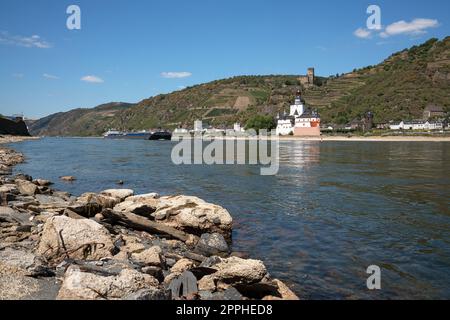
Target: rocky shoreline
(118, 245)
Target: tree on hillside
(259, 122)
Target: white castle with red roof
(301, 121)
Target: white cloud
(92, 79)
(175, 75)
(18, 75)
(415, 27)
(33, 41)
(362, 33)
(50, 76)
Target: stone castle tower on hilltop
(308, 80)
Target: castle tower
(297, 108)
(368, 121)
(311, 76)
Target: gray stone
(11, 215)
(22, 262)
(46, 199)
(205, 295)
(64, 195)
(230, 294)
(20, 287)
(149, 294)
(170, 262)
(184, 285)
(209, 262)
(212, 244)
(154, 271)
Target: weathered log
(194, 256)
(140, 223)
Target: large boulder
(139, 208)
(26, 187)
(235, 270)
(78, 285)
(211, 245)
(143, 204)
(79, 239)
(149, 257)
(193, 215)
(118, 193)
(182, 265)
(284, 291)
(89, 204)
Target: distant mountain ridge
(77, 122)
(398, 88)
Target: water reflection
(300, 155)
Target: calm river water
(334, 209)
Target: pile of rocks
(117, 245)
(8, 158)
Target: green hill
(79, 122)
(398, 88)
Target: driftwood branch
(136, 222)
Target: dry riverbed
(118, 245)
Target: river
(333, 209)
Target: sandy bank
(369, 139)
(4, 139)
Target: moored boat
(161, 135)
(138, 135)
(113, 134)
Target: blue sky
(131, 50)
